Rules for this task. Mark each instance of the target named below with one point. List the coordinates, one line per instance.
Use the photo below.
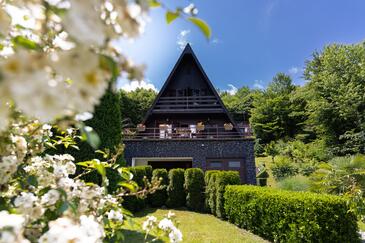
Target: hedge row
(133, 203)
(194, 186)
(175, 190)
(216, 181)
(283, 216)
(159, 198)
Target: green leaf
(91, 136)
(171, 16)
(26, 43)
(202, 25)
(32, 180)
(107, 63)
(99, 167)
(130, 186)
(154, 3)
(61, 206)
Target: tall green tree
(277, 112)
(240, 103)
(135, 104)
(336, 97)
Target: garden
(63, 177)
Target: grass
(268, 162)
(196, 228)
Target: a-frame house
(189, 126)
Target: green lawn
(196, 228)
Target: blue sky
(251, 41)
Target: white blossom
(51, 197)
(25, 201)
(175, 235)
(11, 228)
(82, 21)
(8, 166)
(115, 215)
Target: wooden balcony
(185, 133)
(187, 104)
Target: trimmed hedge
(284, 216)
(159, 198)
(210, 191)
(175, 191)
(194, 187)
(223, 179)
(133, 203)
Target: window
(215, 164)
(234, 164)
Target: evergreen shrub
(194, 186)
(159, 198)
(175, 190)
(223, 179)
(210, 191)
(284, 216)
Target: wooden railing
(187, 102)
(186, 133)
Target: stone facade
(199, 150)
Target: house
(189, 126)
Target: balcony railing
(187, 103)
(186, 133)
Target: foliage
(294, 183)
(283, 167)
(141, 175)
(335, 97)
(277, 113)
(283, 216)
(176, 196)
(223, 179)
(212, 193)
(135, 104)
(239, 104)
(194, 187)
(209, 180)
(159, 198)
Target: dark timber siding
(199, 150)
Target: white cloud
(295, 70)
(258, 84)
(232, 89)
(128, 85)
(182, 39)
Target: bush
(159, 198)
(209, 179)
(283, 167)
(194, 187)
(295, 183)
(175, 191)
(134, 203)
(223, 179)
(282, 216)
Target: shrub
(212, 197)
(283, 167)
(283, 216)
(295, 183)
(134, 203)
(194, 187)
(223, 179)
(210, 190)
(175, 191)
(159, 198)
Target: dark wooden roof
(188, 56)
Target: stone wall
(199, 150)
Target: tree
(240, 103)
(135, 104)
(277, 113)
(336, 100)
